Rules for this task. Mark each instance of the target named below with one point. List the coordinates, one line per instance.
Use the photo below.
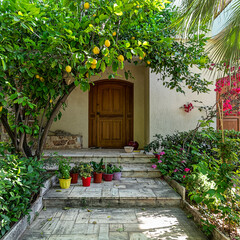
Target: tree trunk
(48, 125)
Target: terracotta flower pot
(74, 177)
(86, 181)
(97, 177)
(117, 175)
(107, 177)
(65, 183)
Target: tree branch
(8, 129)
(50, 121)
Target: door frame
(119, 82)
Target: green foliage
(40, 38)
(117, 168)
(20, 180)
(75, 169)
(97, 167)
(208, 167)
(108, 169)
(85, 170)
(63, 168)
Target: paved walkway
(113, 224)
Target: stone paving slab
(126, 192)
(113, 224)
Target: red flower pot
(97, 177)
(133, 144)
(107, 177)
(74, 177)
(86, 181)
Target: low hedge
(20, 181)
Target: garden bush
(206, 162)
(20, 181)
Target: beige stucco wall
(75, 118)
(165, 114)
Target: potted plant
(108, 173)
(117, 172)
(97, 171)
(85, 172)
(63, 173)
(74, 173)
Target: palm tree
(224, 46)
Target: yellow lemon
(133, 38)
(148, 62)
(93, 66)
(86, 5)
(90, 25)
(68, 69)
(94, 15)
(1, 108)
(190, 87)
(120, 58)
(107, 43)
(140, 58)
(41, 79)
(96, 50)
(138, 6)
(94, 62)
(87, 75)
(51, 101)
(114, 34)
(37, 76)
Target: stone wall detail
(63, 142)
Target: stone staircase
(135, 164)
(140, 185)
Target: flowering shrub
(188, 107)
(229, 90)
(209, 168)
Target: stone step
(127, 192)
(108, 155)
(132, 170)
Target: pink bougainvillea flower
(162, 153)
(186, 169)
(154, 166)
(175, 170)
(160, 161)
(183, 161)
(184, 176)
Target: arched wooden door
(110, 114)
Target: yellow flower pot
(65, 183)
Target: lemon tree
(50, 47)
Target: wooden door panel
(231, 124)
(111, 120)
(105, 127)
(117, 130)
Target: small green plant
(108, 169)
(117, 168)
(63, 168)
(97, 167)
(75, 169)
(85, 170)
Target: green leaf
(4, 65)
(103, 66)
